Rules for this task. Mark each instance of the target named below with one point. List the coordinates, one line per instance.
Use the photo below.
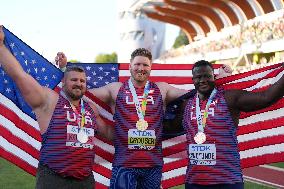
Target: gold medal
(82, 136)
(200, 138)
(141, 125)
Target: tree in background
(181, 40)
(106, 58)
(74, 61)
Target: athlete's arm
(107, 93)
(251, 101)
(169, 92)
(34, 94)
(103, 93)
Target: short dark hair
(141, 52)
(202, 63)
(74, 68)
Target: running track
(265, 174)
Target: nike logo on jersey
(151, 91)
(66, 107)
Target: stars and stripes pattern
(260, 134)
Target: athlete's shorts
(239, 185)
(136, 178)
(46, 178)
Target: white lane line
(255, 180)
(272, 167)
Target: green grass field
(280, 165)
(12, 177)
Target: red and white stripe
(260, 134)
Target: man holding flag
(138, 107)
(67, 124)
(210, 120)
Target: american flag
(260, 134)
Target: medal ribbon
(141, 109)
(82, 123)
(201, 122)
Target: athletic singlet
(60, 150)
(135, 148)
(220, 132)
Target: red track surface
(266, 175)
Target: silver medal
(82, 136)
(200, 138)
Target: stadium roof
(199, 17)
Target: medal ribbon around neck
(141, 109)
(201, 122)
(82, 123)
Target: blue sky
(81, 29)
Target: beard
(74, 96)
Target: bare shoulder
(50, 92)
(45, 111)
(108, 92)
(163, 86)
(113, 88)
(170, 92)
(51, 98)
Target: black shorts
(46, 178)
